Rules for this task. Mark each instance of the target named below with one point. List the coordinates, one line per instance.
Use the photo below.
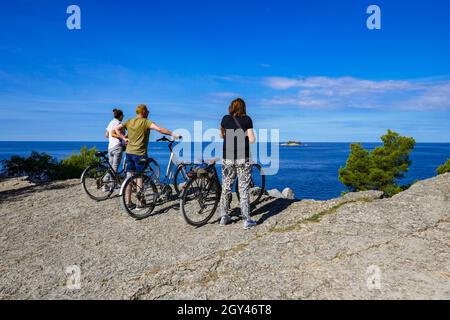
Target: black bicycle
(99, 180)
(142, 192)
(201, 196)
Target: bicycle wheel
(199, 200)
(143, 194)
(180, 177)
(153, 169)
(98, 182)
(257, 185)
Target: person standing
(138, 130)
(237, 132)
(115, 146)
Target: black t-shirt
(236, 144)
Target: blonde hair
(141, 108)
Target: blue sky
(309, 68)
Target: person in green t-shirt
(138, 130)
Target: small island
(292, 144)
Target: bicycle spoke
(98, 182)
(200, 200)
(142, 197)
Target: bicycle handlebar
(164, 139)
(171, 142)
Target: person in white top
(115, 146)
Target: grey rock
(363, 195)
(288, 193)
(275, 193)
(353, 247)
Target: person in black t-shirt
(237, 132)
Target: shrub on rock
(41, 167)
(38, 167)
(381, 168)
(73, 166)
(444, 168)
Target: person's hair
(238, 108)
(141, 108)
(117, 113)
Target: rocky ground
(358, 246)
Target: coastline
(312, 172)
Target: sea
(311, 170)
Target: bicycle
(176, 172)
(146, 190)
(201, 196)
(99, 180)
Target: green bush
(38, 167)
(444, 168)
(381, 168)
(73, 166)
(41, 167)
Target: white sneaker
(248, 224)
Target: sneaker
(225, 220)
(106, 189)
(248, 224)
(140, 207)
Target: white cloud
(349, 92)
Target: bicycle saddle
(143, 161)
(100, 154)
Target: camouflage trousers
(230, 169)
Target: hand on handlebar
(177, 136)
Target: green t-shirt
(138, 135)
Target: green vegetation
(41, 167)
(292, 143)
(38, 167)
(381, 168)
(444, 168)
(73, 166)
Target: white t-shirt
(113, 142)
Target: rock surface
(288, 193)
(357, 246)
(275, 193)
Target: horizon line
(106, 141)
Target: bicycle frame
(169, 170)
(105, 159)
(172, 166)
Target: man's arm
(115, 135)
(107, 134)
(162, 130)
(118, 131)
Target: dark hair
(117, 113)
(238, 108)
